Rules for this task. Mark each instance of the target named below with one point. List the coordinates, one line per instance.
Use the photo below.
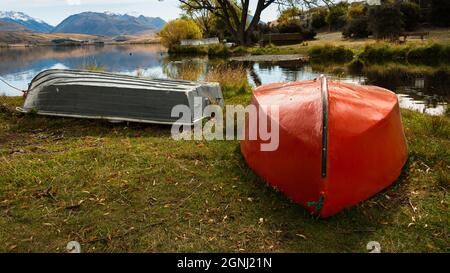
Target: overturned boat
(116, 97)
(339, 143)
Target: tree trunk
(256, 17)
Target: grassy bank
(429, 53)
(130, 187)
(331, 47)
(218, 50)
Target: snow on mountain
(25, 20)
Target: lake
(420, 88)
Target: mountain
(109, 24)
(28, 22)
(8, 26)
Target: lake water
(425, 89)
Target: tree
(357, 22)
(356, 28)
(318, 17)
(411, 15)
(203, 18)
(385, 21)
(356, 10)
(289, 16)
(235, 13)
(290, 21)
(337, 16)
(176, 30)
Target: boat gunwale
(59, 73)
(118, 80)
(79, 71)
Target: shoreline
(3, 46)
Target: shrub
(411, 15)
(309, 34)
(232, 79)
(291, 27)
(190, 71)
(383, 52)
(176, 30)
(240, 50)
(385, 21)
(269, 49)
(432, 53)
(219, 50)
(337, 16)
(356, 10)
(357, 28)
(427, 54)
(318, 18)
(188, 50)
(330, 53)
(297, 27)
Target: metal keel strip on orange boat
(324, 90)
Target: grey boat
(116, 97)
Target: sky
(54, 11)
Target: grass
(331, 47)
(381, 52)
(130, 187)
(190, 71)
(217, 50)
(232, 77)
(329, 53)
(430, 53)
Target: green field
(131, 187)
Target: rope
(1, 79)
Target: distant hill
(109, 24)
(29, 37)
(8, 26)
(20, 18)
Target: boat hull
(365, 143)
(114, 97)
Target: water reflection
(423, 89)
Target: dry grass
(232, 78)
(189, 71)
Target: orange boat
(339, 143)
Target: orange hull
(339, 143)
